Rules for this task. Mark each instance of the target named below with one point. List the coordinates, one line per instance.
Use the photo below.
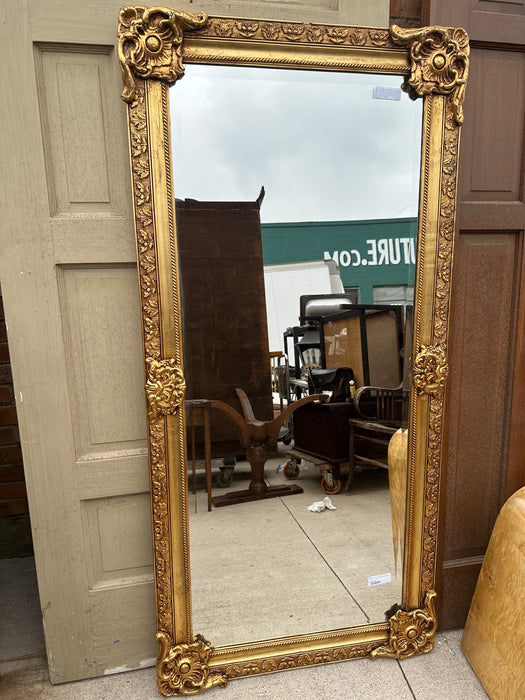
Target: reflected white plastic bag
(319, 506)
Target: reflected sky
(319, 142)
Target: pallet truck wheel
(332, 489)
(225, 477)
(291, 470)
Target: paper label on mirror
(386, 93)
(378, 580)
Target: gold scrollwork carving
(183, 669)
(297, 32)
(430, 370)
(411, 632)
(165, 387)
(150, 40)
(298, 660)
(439, 62)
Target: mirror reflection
(296, 211)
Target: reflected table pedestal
(259, 439)
(258, 489)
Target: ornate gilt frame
(154, 43)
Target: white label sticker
(386, 93)
(378, 580)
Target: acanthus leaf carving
(183, 669)
(411, 632)
(298, 660)
(430, 370)
(165, 387)
(439, 62)
(297, 32)
(150, 43)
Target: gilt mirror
(294, 212)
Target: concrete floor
(312, 567)
(444, 672)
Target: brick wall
(406, 13)
(15, 533)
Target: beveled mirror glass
(287, 174)
(335, 171)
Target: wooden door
(70, 292)
(486, 456)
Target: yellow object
(397, 479)
(494, 636)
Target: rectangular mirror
(294, 216)
(234, 131)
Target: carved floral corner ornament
(150, 46)
(439, 62)
(150, 43)
(183, 669)
(411, 632)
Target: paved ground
(351, 548)
(444, 673)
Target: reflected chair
(381, 411)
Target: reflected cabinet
(294, 190)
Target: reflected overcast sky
(322, 146)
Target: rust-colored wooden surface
(485, 459)
(224, 311)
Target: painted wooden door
(70, 292)
(486, 457)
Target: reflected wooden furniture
(321, 437)
(368, 445)
(494, 636)
(367, 338)
(259, 439)
(225, 331)
(198, 415)
(381, 410)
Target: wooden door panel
(77, 107)
(492, 147)
(70, 293)
(101, 323)
(119, 642)
(486, 280)
(117, 533)
(487, 351)
(458, 582)
(490, 21)
(482, 314)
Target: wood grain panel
(458, 581)
(515, 476)
(485, 461)
(75, 110)
(102, 333)
(126, 641)
(492, 146)
(117, 532)
(481, 343)
(494, 21)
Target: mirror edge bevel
(192, 665)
